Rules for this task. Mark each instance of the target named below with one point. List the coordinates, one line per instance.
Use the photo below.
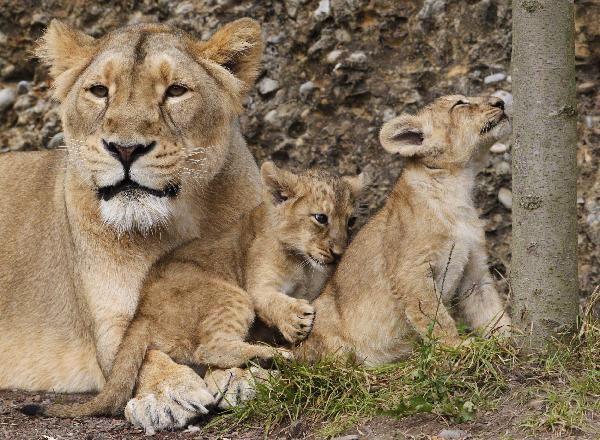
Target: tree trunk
(544, 244)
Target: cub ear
(403, 135)
(281, 184)
(237, 46)
(357, 183)
(63, 48)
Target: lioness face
(148, 111)
(313, 211)
(448, 132)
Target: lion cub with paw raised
(422, 257)
(198, 302)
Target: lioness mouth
(129, 186)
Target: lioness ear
(403, 135)
(63, 48)
(280, 183)
(357, 183)
(237, 46)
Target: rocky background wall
(333, 72)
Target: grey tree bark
(544, 245)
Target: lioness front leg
(168, 395)
(293, 317)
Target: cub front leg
(479, 303)
(423, 307)
(293, 317)
(168, 395)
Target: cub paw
(234, 386)
(296, 320)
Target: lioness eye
(321, 218)
(99, 90)
(175, 90)
(351, 221)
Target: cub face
(312, 211)
(448, 132)
(148, 111)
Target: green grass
(334, 395)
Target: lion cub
(427, 242)
(198, 302)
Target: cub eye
(459, 103)
(99, 91)
(175, 90)
(351, 221)
(321, 218)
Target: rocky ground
(333, 72)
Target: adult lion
(154, 158)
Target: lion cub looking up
(198, 302)
(427, 242)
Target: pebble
(306, 88)
(358, 58)
(347, 437)
(505, 197)
(586, 87)
(589, 121)
(57, 140)
(494, 78)
(323, 10)
(388, 114)
(23, 87)
(502, 168)
(272, 118)
(499, 148)
(334, 56)
(7, 98)
(184, 8)
(453, 434)
(267, 85)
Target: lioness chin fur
(424, 250)
(198, 302)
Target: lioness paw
(176, 403)
(296, 321)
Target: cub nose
(336, 255)
(127, 153)
(497, 102)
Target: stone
(505, 197)
(499, 148)
(267, 85)
(453, 434)
(358, 57)
(347, 437)
(184, 8)
(57, 140)
(388, 114)
(306, 89)
(502, 168)
(323, 10)
(272, 118)
(23, 87)
(494, 78)
(334, 56)
(7, 98)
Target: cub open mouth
(127, 185)
(492, 123)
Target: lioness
(199, 301)
(427, 242)
(154, 157)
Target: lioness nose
(497, 102)
(127, 154)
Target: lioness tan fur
(154, 158)
(427, 242)
(198, 302)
